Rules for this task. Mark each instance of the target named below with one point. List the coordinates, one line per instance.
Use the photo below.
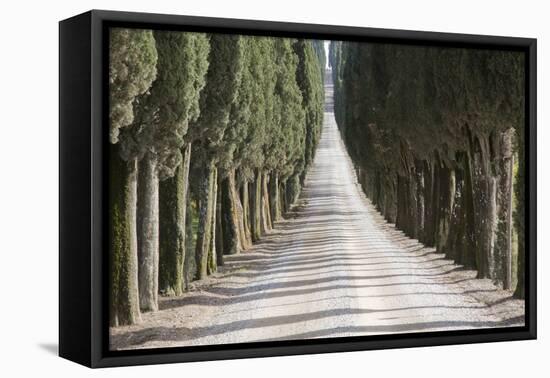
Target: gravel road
(333, 268)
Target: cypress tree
(132, 69)
(222, 82)
(261, 83)
(288, 135)
(159, 131)
(235, 227)
(310, 76)
(174, 191)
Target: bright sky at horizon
(327, 44)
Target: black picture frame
(83, 125)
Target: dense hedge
(431, 131)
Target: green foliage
(425, 96)
(261, 87)
(222, 84)
(286, 133)
(320, 53)
(132, 69)
(310, 78)
(236, 133)
(163, 114)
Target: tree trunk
(468, 258)
(219, 225)
(282, 198)
(429, 201)
(232, 213)
(457, 231)
(403, 205)
(240, 216)
(274, 198)
(172, 214)
(519, 213)
(390, 198)
(124, 297)
(265, 213)
(419, 193)
(245, 201)
(204, 232)
(189, 264)
(445, 201)
(256, 207)
(148, 232)
(503, 238)
(212, 196)
(485, 187)
(293, 189)
(377, 195)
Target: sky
(327, 43)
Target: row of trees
(211, 136)
(435, 134)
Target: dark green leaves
(132, 69)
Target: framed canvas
(235, 188)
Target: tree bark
(390, 198)
(265, 213)
(458, 228)
(245, 201)
(123, 264)
(403, 205)
(256, 207)
(189, 265)
(274, 198)
(172, 213)
(445, 202)
(148, 232)
(240, 216)
(219, 225)
(212, 253)
(293, 190)
(377, 193)
(204, 232)
(429, 202)
(485, 185)
(503, 238)
(468, 258)
(519, 214)
(282, 198)
(232, 214)
(419, 193)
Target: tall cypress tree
(174, 191)
(260, 126)
(309, 76)
(159, 131)
(287, 140)
(132, 69)
(234, 231)
(222, 82)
